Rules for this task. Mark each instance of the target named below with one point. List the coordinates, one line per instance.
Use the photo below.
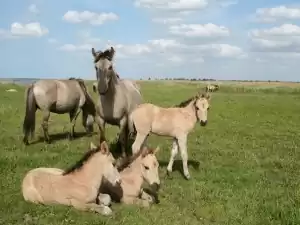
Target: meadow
(245, 164)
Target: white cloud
(199, 30)
(169, 20)
(29, 29)
(24, 30)
(33, 9)
(285, 38)
(178, 5)
(89, 17)
(73, 48)
(277, 13)
(283, 30)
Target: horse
(212, 88)
(117, 97)
(134, 171)
(176, 122)
(77, 186)
(60, 97)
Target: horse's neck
(190, 109)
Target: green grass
(248, 154)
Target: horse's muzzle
(155, 187)
(203, 123)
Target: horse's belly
(61, 109)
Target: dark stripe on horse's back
(78, 165)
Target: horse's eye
(197, 108)
(110, 68)
(146, 167)
(208, 108)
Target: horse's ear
(111, 53)
(104, 148)
(94, 52)
(92, 146)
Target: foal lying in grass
(134, 171)
(176, 122)
(78, 186)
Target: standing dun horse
(78, 186)
(117, 97)
(134, 171)
(212, 88)
(176, 122)
(60, 97)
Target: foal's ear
(144, 151)
(92, 146)
(156, 150)
(104, 148)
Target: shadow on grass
(177, 165)
(63, 136)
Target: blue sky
(222, 39)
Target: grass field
(248, 157)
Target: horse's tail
(29, 120)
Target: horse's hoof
(187, 176)
(25, 142)
(106, 211)
(169, 174)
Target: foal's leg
(184, 155)
(73, 116)
(129, 200)
(46, 116)
(101, 209)
(174, 153)
(101, 125)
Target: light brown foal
(77, 186)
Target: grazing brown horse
(136, 170)
(60, 97)
(78, 186)
(176, 122)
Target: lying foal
(141, 167)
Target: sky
(220, 39)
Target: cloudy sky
(222, 39)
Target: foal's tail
(29, 120)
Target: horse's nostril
(203, 123)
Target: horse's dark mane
(78, 165)
(186, 102)
(106, 54)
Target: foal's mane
(186, 102)
(132, 158)
(79, 164)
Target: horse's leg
(139, 141)
(184, 155)
(101, 209)
(46, 116)
(101, 124)
(174, 153)
(104, 199)
(73, 116)
(123, 137)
